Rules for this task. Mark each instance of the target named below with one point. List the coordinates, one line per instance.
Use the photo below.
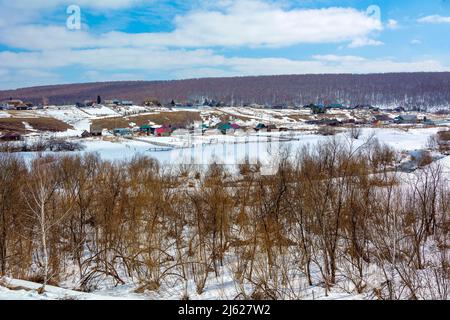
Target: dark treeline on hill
(401, 89)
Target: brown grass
(182, 118)
(15, 125)
(444, 135)
(300, 117)
(12, 125)
(111, 123)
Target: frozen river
(231, 151)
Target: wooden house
(96, 130)
(164, 131)
(406, 119)
(382, 119)
(123, 132)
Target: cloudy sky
(178, 39)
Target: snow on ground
(100, 111)
(402, 140)
(232, 150)
(13, 289)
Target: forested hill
(393, 89)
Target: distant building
(89, 103)
(227, 128)
(382, 119)
(318, 109)
(260, 127)
(428, 122)
(336, 106)
(127, 103)
(164, 131)
(123, 132)
(406, 119)
(279, 107)
(15, 103)
(85, 134)
(147, 129)
(23, 107)
(96, 130)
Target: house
(14, 103)
(89, 103)
(319, 109)
(349, 121)
(428, 122)
(147, 129)
(260, 127)
(96, 130)
(126, 103)
(22, 107)
(406, 119)
(335, 106)
(363, 106)
(279, 107)
(85, 134)
(123, 132)
(113, 102)
(382, 119)
(164, 131)
(224, 127)
(272, 128)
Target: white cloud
(110, 64)
(328, 65)
(336, 58)
(415, 42)
(189, 51)
(240, 23)
(434, 19)
(363, 42)
(392, 24)
(254, 23)
(17, 78)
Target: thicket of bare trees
(332, 216)
(409, 90)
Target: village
(123, 118)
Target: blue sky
(164, 40)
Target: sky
(44, 42)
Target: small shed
(147, 129)
(382, 119)
(96, 130)
(260, 126)
(224, 127)
(407, 118)
(163, 132)
(86, 134)
(123, 132)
